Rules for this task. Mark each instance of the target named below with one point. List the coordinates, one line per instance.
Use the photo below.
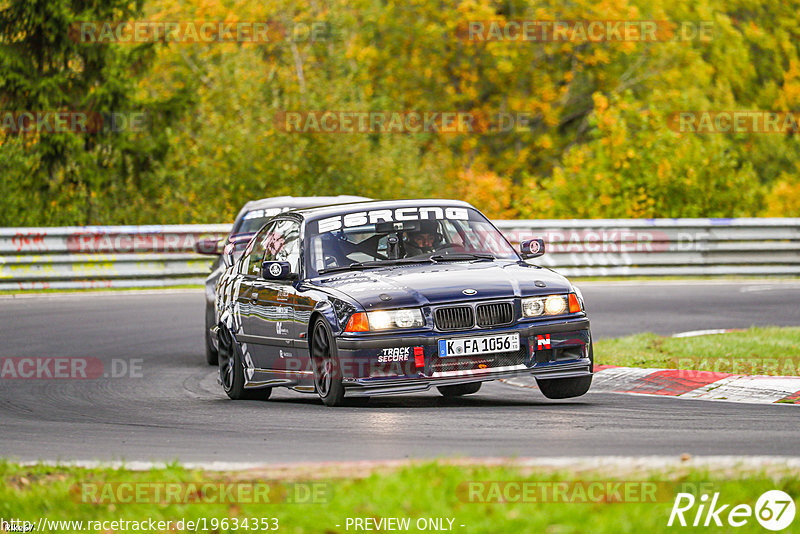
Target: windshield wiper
(436, 258)
(352, 267)
(359, 265)
(463, 256)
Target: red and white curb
(704, 385)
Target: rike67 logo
(774, 511)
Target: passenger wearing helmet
(422, 240)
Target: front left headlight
(551, 305)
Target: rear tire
(325, 360)
(231, 370)
(212, 356)
(458, 390)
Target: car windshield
(383, 237)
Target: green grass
(416, 491)
(755, 351)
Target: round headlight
(380, 320)
(532, 307)
(555, 305)
(405, 318)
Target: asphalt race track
(171, 408)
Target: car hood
(421, 285)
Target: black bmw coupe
(375, 298)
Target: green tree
(68, 177)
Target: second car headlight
(550, 305)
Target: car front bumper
(548, 350)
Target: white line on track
(695, 333)
(753, 288)
(705, 282)
(557, 462)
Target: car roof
(291, 203)
(299, 202)
(322, 211)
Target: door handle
(254, 297)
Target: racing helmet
(423, 239)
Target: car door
(268, 325)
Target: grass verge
(639, 502)
(756, 351)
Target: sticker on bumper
(398, 354)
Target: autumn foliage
(595, 141)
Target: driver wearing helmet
(422, 240)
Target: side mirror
(207, 246)
(227, 255)
(532, 248)
(277, 270)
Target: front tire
(231, 370)
(327, 371)
(564, 388)
(458, 390)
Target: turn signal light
(574, 305)
(358, 323)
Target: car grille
(454, 318)
(496, 314)
(470, 363)
(463, 317)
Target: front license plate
(467, 346)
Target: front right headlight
(551, 305)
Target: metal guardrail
(152, 256)
(665, 247)
(104, 256)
